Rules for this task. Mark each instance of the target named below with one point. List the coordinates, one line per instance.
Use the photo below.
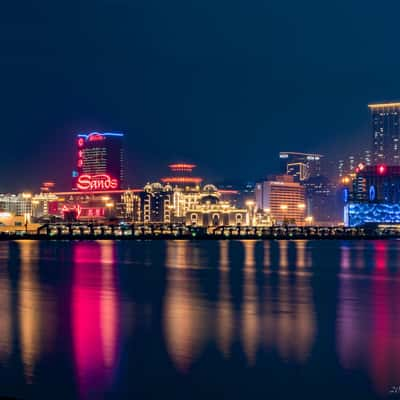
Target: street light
(250, 204)
(27, 217)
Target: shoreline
(207, 237)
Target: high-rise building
(375, 196)
(283, 198)
(99, 164)
(323, 203)
(349, 165)
(385, 118)
(300, 165)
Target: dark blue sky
(226, 84)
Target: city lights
(299, 195)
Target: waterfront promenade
(79, 231)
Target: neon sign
(96, 182)
(96, 137)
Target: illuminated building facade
(356, 214)
(283, 198)
(379, 184)
(300, 165)
(16, 204)
(385, 120)
(349, 164)
(193, 205)
(44, 204)
(374, 196)
(210, 210)
(99, 164)
(155, 203)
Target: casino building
(98, 192)
(180, 197)
(97, 179)
(99, 161)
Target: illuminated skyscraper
(99, 163)
(385, 118)
(300, 165)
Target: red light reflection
(95, 316)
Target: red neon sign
(81, 142)
(96, 182)
(96, 138)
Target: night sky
(226, 84)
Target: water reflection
(283, 254)
(278, 315)
(5, 307)
(267, 254)
(345, 257)
(301, 253)
(224, 309)
(95, 315)
(29, 306)
(185, 318)
(190, 311)
(368, 330)
(250, 316)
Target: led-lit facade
(377, 183)
(99, 162)
(375, 196)
(283, 198)
(155, 203)
(356, 214)
(193, 205)
(385, 121)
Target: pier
(84, 231)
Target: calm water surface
(199, 320)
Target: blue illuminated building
(356, 214)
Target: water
(199, 320)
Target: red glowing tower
(181, 175)
(99, 164)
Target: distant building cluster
(308, 189)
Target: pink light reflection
(95, 316)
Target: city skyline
(161, 165)
(236, 92)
